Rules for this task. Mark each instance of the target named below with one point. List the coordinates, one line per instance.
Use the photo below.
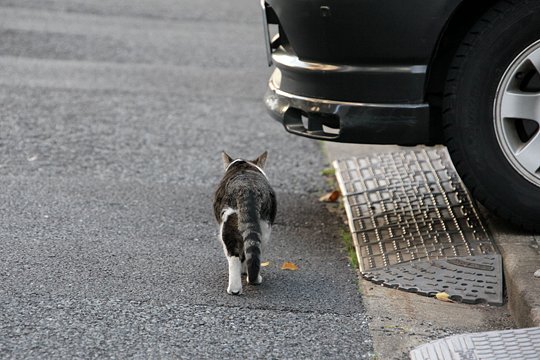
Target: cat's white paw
(234, 290)
(259, 280)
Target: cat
(245, 207)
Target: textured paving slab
(416, 228)
(520, 344)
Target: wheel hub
(517, 113)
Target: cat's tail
(250, 228)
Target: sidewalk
(401, 320)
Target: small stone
(537, 273)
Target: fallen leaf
(330, 197)
(442, 296)
(289, 266)
(265, 263)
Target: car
(463, 73)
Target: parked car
(464, 73)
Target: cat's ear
(261, 160)
(226, 159)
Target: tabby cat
(245, 208)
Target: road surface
(113, 116)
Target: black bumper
(343, 121)
(345, 76)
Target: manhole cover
(519, 344)
(415, 227)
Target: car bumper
(346, 121)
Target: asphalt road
(113, 116)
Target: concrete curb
(521, 258)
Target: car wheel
(491, 111)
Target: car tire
(489, 98)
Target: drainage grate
(519, 344)
(415, 226)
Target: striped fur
(245, 207)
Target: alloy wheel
(517, 113)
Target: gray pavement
(113, 115)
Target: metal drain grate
(519, 344)
(415, 226)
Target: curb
(521, 258)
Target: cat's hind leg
(235, 275)
(234, 248)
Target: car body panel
(406, 30)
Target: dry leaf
(265, 263)
(330, 197)
(288, 266)
(442, 296)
